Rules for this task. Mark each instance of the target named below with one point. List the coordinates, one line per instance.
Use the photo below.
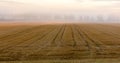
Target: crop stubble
(60, 41)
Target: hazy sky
(31, 9)
(37, 6)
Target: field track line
(73, 36)
(9, 45)
(111, 33)
(44, 44)
(18, 33)
(58, 43)
(90, 42)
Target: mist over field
(60, 31)
(60, 10)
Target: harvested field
(60, 41)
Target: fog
(60, 10)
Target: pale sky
(60, 6)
